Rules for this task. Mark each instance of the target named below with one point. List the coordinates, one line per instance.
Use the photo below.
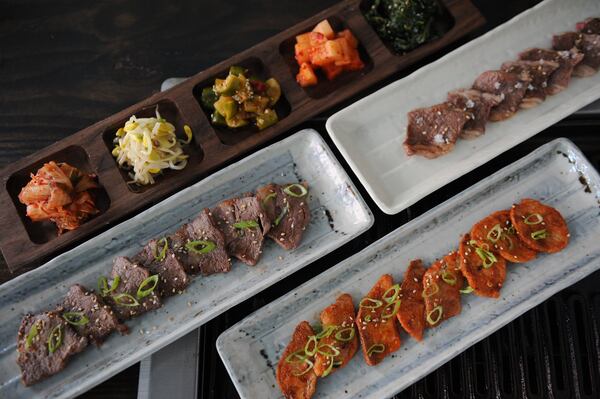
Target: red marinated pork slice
(484, 269)
(588, 44)
(590, 25)
(296, 378)
(477, 106)
(511, 88)
(567, 60)
(539, 72)
(441, 289)
(411, 314)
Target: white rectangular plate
(369, 133)
(552, 174)
(338, 215)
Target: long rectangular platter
(338, 215)
(28, 244)
(369, 133)
(556, 173)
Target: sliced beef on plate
(411, 314)
(539, 72)
(484, 269)
(158, 257)
(433, 131)
(567, 60)
(477, 106)
(511, 88)
(244, 224)
(45, 343)
(539, 226)
(200, 246)
(292, 376)
(442, 283)
(287, 208)
(588, 44)
(590, 25)
(131, 298)
(89, 315)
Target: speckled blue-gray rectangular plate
(556, 173)
(338, 215)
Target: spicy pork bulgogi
(588, 44)
(541, 227)
(160, 259)
(441, 289)
(477, 106)
(295, 374)
(484, 269)
(539, 72)
(411, 314)
(511, 88)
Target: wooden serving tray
(24, 243)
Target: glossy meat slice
(338, 322)
(539, 72)
(244, 224)
(590, 25)
(511, 88)
(477, 106)
(287, 208)
(296, 379)
(376, 322)
(588, 44)
(89, 315)
(442, 283)
(498, 232)
(484, 270)
(411, 314)
(200, 246)
(540, 226)
(567, 60)
(158, 257)
(39, 356)
(433, 131)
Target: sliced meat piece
(87, 314)
(244, 224)
(124, 299)
(498, 232)
(433, 131)
(441, 289)
(567, 60)
(376, 322)
(539, 72)
(200, 246)
(287, 208)
(540, 227)
(411, 314)
(590, 25)
(484, 269)
(293, 378)
(477, 106)
(339, 333)
(511, 88)
(158, 257)
(39, 355)
(588, 44)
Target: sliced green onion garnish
(510, 241)
(375, 348)
(394, 290)
(269, 197)
(200, 246)
(368, 318)
(467, 290)
(495, 233)
(310, 366)
(300, 187)
(534, 218)
(103, 285)
(125, 300)
(370, 303)
(245, 224)
(163, 245)
(430, 290)
(76, 318)
(284, 211)
(437, 311)
(296, 357)
(539, 235)
(312, 341)
(448, 277)
(55, 338)
(329, 367)
(331, 351)
(326, 332)
(345, 334)
(147, 286)
(385, 314)
(487, 257)
(31, 335)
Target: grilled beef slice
(567, 60)
(511, 88)
(433, 131)
(539, 72)
(158, 257)
(588, 44)
(244, 224)
(101, 320)
(289, 214)
(192, 242)
(131, 276)
(35, 357)
(476, 105)
(590, 25)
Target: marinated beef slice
(200, 246)
(511, 88)
(567, 60)
(476, 105)
(289, 213)
(590, 25)
(89, 315)
(37, 358)
(433, 131)
(588, 44)
(244, 224)
(539, 72)
(158, 257)
(124, 299)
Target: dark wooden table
(66, 64)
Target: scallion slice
(534, 218)
(55, 338)
(147, 286)
(296, 357)
(486, 256)
(310, 366)
(329, 367)
(333, 350)
(160, 250)
(300, 187)
(279, 218)
(385, 314)
(467, 290)
(375, 348)
(370, 303)
(76, 318)
(125, 299)
(394, 290)
(345, 334)
(245, 224)
(539, 235)
(269, 197)
(312, 341)
(495, 233)
(438, 312)
(200, 246)
(103, 285)
(430, 290)
(326, 332)
(31, 335)
(448, 277)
